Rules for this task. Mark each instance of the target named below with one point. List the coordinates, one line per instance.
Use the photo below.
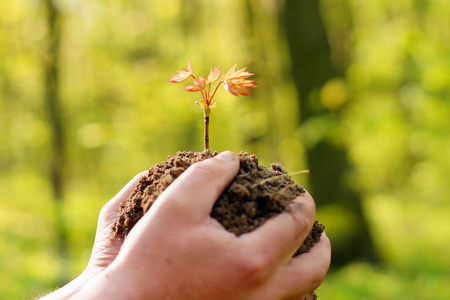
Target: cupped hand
(104, 250)
(177, 251)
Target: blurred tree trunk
(259, 24)
(311, 69)
(57, 152)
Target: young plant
(235, 82)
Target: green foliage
(364, 282)
(390, 110)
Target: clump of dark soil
(252, 198)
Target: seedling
(235, 82)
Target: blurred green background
(356, 91)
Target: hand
(177, 251)
(104, 250)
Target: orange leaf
(237, 89)
(183, 74)
(236, 83)
(230, 88)
(213, 75)
(199, 84)
(240, 74)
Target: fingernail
(227, 156)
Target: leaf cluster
(235, 82)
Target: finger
(125, 192)
(280, 237)
(305, 272)
(110, 211)
(194, 193)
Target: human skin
(104, 250)
(177, 251)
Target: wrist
(109, 285)
(71, 288)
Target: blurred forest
(356, 91)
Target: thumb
(194, 193)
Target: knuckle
(303, 215)
(303, 224)
(305, 203)
(254, 269)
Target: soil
(255, 195)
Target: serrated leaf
(182, 75)
(198, 85)
(236, 83)
(213, 75)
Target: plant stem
(215, 90)
(206, 112)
